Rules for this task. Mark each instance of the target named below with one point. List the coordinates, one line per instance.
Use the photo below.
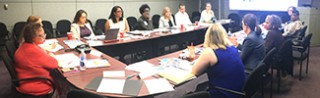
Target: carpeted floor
(308, 87)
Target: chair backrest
(195, 16)
(306, 41)
(17, 29)
(155, 20)
(82, 94)
(9, 63)
(100, 26)
(11, 47)
(132, 21)
(236, 22)
(255, 80)
(200, 94)
(3, 30)
(63, 26)
(268, 59)
(47, 26)
(302, 33)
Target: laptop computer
(111, 35)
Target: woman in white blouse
(80, 27)
(166, 19)
(116, 20)
(207, 15)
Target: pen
(131, 76)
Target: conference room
(158, 48)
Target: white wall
(54, 10)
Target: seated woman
(80, 27)
(116, 20)
(222, 63)
(294, 25)
(166, 19)
(32, 61)
(274, 37)
(252, 48)
(144, 22)
(207, 15)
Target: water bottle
(229, 32)
(82, 60)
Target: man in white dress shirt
(207, 15)
(182, 16)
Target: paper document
(51, 45)
(140, 66)
(158, 86)
(68, 60)
(113, 74)
(96, 53)
(176, 75)
(73, 43)
(96, 63)
(111, 86)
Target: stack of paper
(176, 75)
(73, 43)
(51, 45)
(140, 66)
(113, 73)
(68, 60)
(158, 86)
(96, 63)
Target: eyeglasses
(42, 36)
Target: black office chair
(302, 52)
(89, 21)
(300, 35)
(200, 94)
(9, 63)
(235, 25)
(132, 21)
(48, 29)
(195, 16)
(283, 61)
(17, 29)
(100, 26)
(155, 20)
(11, 47)
(83, 94)
(63, 26)
(4, 34)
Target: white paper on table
(175, 72)
(147, 73)
(95, 42)
(96, 53)
(140, 66)
(158, 85)
(96, 63)
(113, 74)
(47, 45)
(111, 86)
(73, 43)
(68, 60)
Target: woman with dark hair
(80, 27)
(274, 37)
(144, 22)
(33, 61)
(252, 48)
(116, 20)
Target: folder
(176, 76)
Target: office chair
(48, 29)
(17, 29)
(301, 52)
(9, 63)
(235, 25)
(132, 21)
(300, 35)
(195, 16)
(63, 26)
(100, 26)
(4, 34)
(155, 20)
(200, 94)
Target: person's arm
(207, 58)
(269, 43)
(74, 31)
(46, 61)
(247, 48)
(161, 23)
(91, 31)
(142, 24)
(202, 17)
(188, 19)
(107, 25)
(177, 18)
(150, 25)
(127, 29)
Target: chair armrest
(229, 90)
(298, 48)
(16, 81)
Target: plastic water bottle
(82, 60)
(229, 32)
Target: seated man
(182, 17)
(293, 26)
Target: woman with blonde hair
(166, 19)
(222, 63)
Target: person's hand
(233, 40)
